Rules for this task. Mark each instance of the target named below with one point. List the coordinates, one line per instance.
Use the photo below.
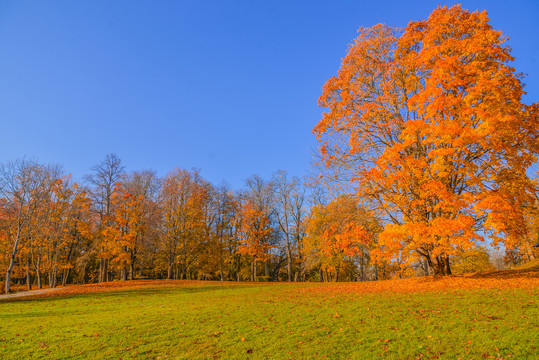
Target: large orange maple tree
(431, 126)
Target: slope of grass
(404, 319)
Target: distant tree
(124, 232)
(472, 260)
(338, 232)
(23, 186)
(226, 211)
(103, 178)
(144, 185)
(256, 232)
(182, 197)
(289, 199)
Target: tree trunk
(253, 271)
(55, 276)
(101, 276)
(8, 282)
(289, 258)
(447, 266)
(28, 275)
(132, 271)
(321, 275)
(267, 268)
(12, 259)
(65, 276)
(38, 273)
(169, 272)
(221, 274)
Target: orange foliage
(255, 231)
(338, 231)
(125, 229)
(431, 125)
(495, 280)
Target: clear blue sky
(230, 87)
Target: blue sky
(229, 87)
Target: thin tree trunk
(28, 275)
(267, 268)
(101, 276)
(132, 271)
(12, 259)
(254, 270)
(38, 272)
(221, 274)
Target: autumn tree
(182, 198)
(103, 178)
(23, 186)
(338, 233)
(141, 191)
(289, 199)
(256, 231)
(430, 124)
(476, 259)
(124, 231)
(226, 209)
(61, 231)
(257, 224)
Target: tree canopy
(429, 123)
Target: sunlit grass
(273, 321)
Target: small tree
(337, 233)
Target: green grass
(276, 321)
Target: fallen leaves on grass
(504, 280)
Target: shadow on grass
(126, 293)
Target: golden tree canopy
(430, 124)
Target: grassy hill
(424, 318)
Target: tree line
(119, 225)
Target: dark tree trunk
(38, 273)
(447, 266)
(28, 275)
(132, 271)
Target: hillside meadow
(490, 316)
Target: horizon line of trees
(120, 226)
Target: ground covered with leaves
(488, 316)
